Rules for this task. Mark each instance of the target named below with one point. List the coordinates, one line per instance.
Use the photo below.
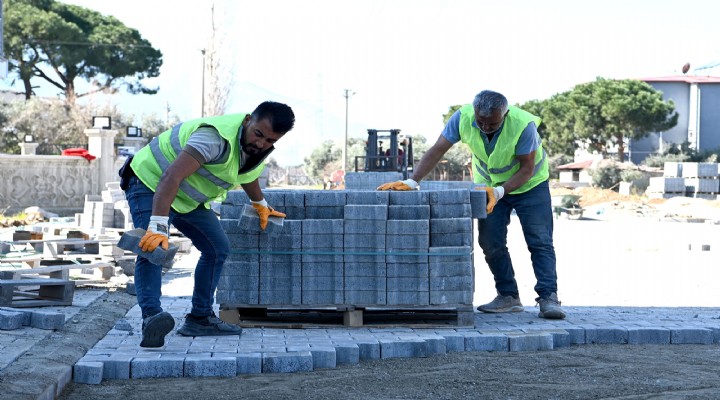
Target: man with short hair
(509, 159)
(173, 180)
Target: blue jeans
(535, 213)
(203, 229)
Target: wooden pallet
(310, 316)
(35, 292)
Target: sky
(406, 61)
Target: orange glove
(265, 211)
(156, 235)
(407, 184)
(494, 194)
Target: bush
(606, 176)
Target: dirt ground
(580, 372)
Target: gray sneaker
(550, 307)
(208, 326)
(155, 328)
(502, 304)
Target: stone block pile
(689, 179)
(352, 247)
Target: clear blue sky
(408, 60)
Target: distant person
(508, 158)
(173, 180)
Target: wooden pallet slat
(34, 292)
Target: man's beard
(251, 149)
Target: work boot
(207, 326)
(154, 329)
(502, 304)
(550, 307)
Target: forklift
(385, 151)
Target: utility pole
(202, 102)
(348, 93)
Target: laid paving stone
(210, 366)
(486, 342)
(691, 336)
(454, 342)
(530, 342)
(88, 372)
(47, 320)
(393, 348)
(606, 335)
(323, 357)
(249, 363)
(287, 362)
(10, 320)
(146, 367)
(648, 336)
(347, 353)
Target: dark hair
(280, 115)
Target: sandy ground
(609, 258)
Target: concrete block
(408, 298)
(576, 335)
(322, 255)
(241, 268)
(490, 342)
(407, 270)
(130, 240)
(88, 372)
(10, 320)
(405, 348)
(321, 283)
(26, 314)
(451, 297)
(228, 297)
(249, 363)
(279, 242)
(231, 226)
(278, 297)
(322, 240)
(323, 226)
(325, 198)
(47, 320)
(413, 198)
(530, 342)
(406, 255)
(230, 211)
(409, 212)
(156, 368)
(454, 342)
(238, 283)
(324, 212)
(364, 255)
(287, 362)
(366, 240)
(275, 198)
(373, 197)
(250, 222)
(276, 257)
(691, 335)
(369, 349)
(648, 336)
(402, 227)
(322, 269)
(408, 284)
(450, 225)
(451, 269)
(366, 212)
(294, 213)
(375, 227)
(450, 254)
(365, 297)
(323, 296)
(478, 204)
(117, 367)
(323, 357)
(210, 366)
(236, 197)
(365, 283)
(400, 241)
(294, 198)
(450, 196)
(606, 335)
(453, 283)
(451, 211)
(280, 283)
(435, 345)
(451, 239)
(347, 353)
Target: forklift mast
(396, 155)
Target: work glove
(157, 234)
(407, 184)
(265, 211)
(494, 194)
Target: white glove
(411, 183)
(260, 203)
(159, 224)
(499, 192)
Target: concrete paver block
(648, 336)
(10, 320)
(287, 362)
(530, 342)
(141, 367)
(88, 372)
(405, 348)
(347, 353)
(606, 335)
(130, 239)
(323, 357)
(249, 363)
(210, 366)
(691, 336)
(486, 342)
(47, 320)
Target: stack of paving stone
(691, 179)
(352, 248)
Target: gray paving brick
(373, 197)
(280, 297)
(210, 366)
(606, 335)
(454, 342)
(47, 320)
(408, 284)
(415, 197)
(407, 348)
(691, 336)
(365, 297)
(410, 226)
(451, 297)
(369, 349)
(487, 342)
(231, 226)
(450, 196)
(325, 198)
(347, 353)
(26, 314)
(241, 268)
(324, 212)
(141, 367)
(117, 367)
(365, 283)
(445, 255)
(453, 283)
(323, 296)
(530, 342)
(478, 202)
(236, 197)
(249, 363)
(88, 372)
(294, 198)
(364, 241)
(364, 255)
(648, 336)
(237, 297)
(375, 227)
(407, 270)
(408, 298)
(274, 198)
(577, 335)
(323, 357)
(243, 240)
(435, 345)
(409, 212)
(451, 239)
(365, 212)
(321, 283)
(323, 226)
(322, 269)
(359, 269)
(238, 283)
(287, 362)
(322, 255)
(294, 213)
(451, 225)
(451, 211)
(450, 269)
(397, 241)
(406, 255)
(250, 222)
(10, 320)
(230, 211)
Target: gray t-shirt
(208, 147)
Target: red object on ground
(79, 152)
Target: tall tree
(218, 75)
(60, 43)
(606, 112)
